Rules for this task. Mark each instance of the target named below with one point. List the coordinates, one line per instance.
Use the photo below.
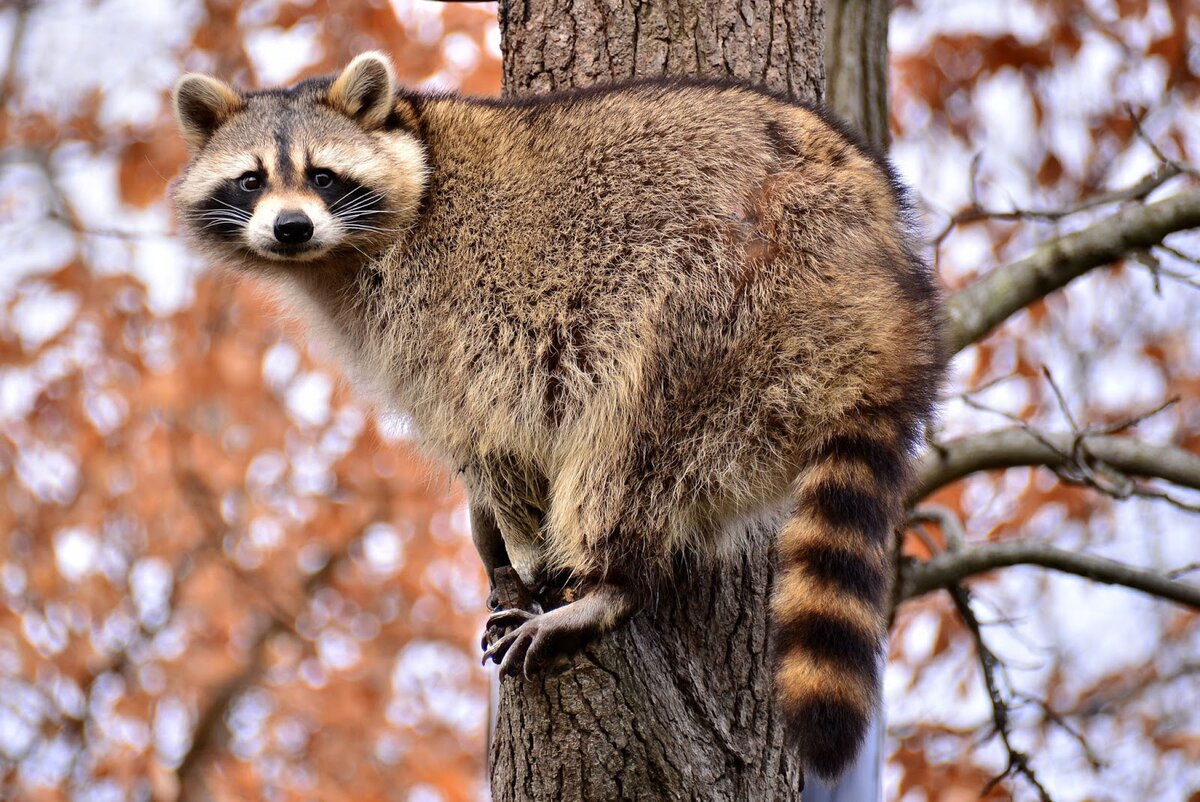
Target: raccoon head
(325, 170)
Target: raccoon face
(323, 170)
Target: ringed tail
(832, 589)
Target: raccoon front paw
(501, 622)
(539, 636)
(525, 648)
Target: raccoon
(635, 317)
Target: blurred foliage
(202, 533)
(217, 570)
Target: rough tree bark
(679, 705)
(856, 65)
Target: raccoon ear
(365, 89)
(202, 105)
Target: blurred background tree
(219, 572)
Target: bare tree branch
(975, 310)
(948, 569)
(952, 528)
(1008, 448)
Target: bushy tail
(831, 594)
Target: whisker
(225, 216)
(358, 210)
(230, 205)
(368, 207)
(221, 213)
(373, 229)
(358, 203)
(345, 202)
(347, 194)
(242, 221)
(348, 218)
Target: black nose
(292, 228)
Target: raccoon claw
(512, 618)
(500, 622)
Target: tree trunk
(856, 65)
(679, 705)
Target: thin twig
(1018, 761)
(1137, 191)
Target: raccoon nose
(292, 228)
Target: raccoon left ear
(365, 89)
(202, 105)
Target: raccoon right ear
(202, 105)
(365, 90)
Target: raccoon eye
(250, 182)
(322, 179)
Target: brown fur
(636, 318)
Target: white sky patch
(106, 410)
(29, 247)
(966, 251)
(151, 581)
(310, 471)
(383, 548)
(440, 81)
(75, 552)
(266, 469)
(428, 26)
(1124, 381)
(1006, 118)
(279, 364)
(18, 391)
(162, 265)
(279, 55)
(433, 679)
(51, 473)
(266, 533)
(18, 722)
(49, 762)
(337, 650)
(172, 730)
(42, 313)
(308, 399)
(461, 52)
(492, 39)
(1100, 614)
(424, 793)
(911, 28)
(247, 722)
